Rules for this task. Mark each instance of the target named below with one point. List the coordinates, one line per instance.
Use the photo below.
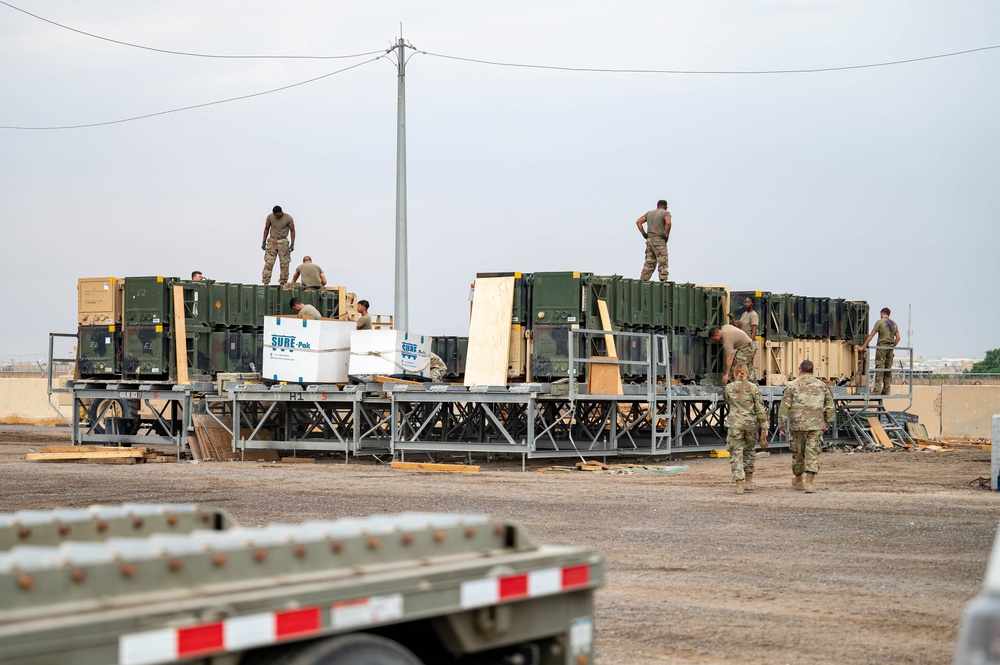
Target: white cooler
(306, 350)
(389, 352)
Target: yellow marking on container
(159, 328)
(159, 278)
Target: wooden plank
(91, 449)
(298, 460)
(427, 466)
(180, 335)
(609, 340)
(489, 332)
(878, 432)
(62, 457)
(603, 378)
(389, 379)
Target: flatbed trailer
(193, 587)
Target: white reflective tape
(479, 593)
(545, 582)
(581, 636)
(149, 648)
(250, 631)
(366, 611)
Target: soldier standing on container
(888, 335)
(276, 244)
(746, 421)
(808, 404)
(313, 277)
(736, 347)
(656, 235)
(749, 321)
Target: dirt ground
(875, 567)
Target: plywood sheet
(489, 332)
(603, 378)
(878, 432)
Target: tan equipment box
(100, 301)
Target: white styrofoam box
(389, 352)
(306, 350)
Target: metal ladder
(857, 414)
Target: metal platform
(530, 420)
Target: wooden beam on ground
(878, 432)
(298, 460)
(427, 466)
(489, 332)
(63, 457)
(92, 449)
(180, 334)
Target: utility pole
(401, 304)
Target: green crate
(98, 351)
(197, 302)
(683, 314)
(261, 305)
(225, 350)
(248, 306)
(249, 351)
(145, 352)
(198, 349)
(218, 304)
(659, 305)
(715, 308)
(234, 298)
(148, 300)
(557, 298)
(607, 289)
(285, 298)
(550, 351)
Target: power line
(194, 55)
(198, 106)
(683, 71)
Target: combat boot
(739, 487)
(809, 483)
(797, 482)
(748, 484)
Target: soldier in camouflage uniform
(737, 347)
(276, 244)
(656, 236)
(808, 402)
(746, 421)
(888, 336)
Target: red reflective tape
(296, 622)
(200, 639)
(513, 587)
(575, 576)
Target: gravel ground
(875, 567)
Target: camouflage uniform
(656, 243)
(883, 357)
(656, 256)
(746, 355)
(277, 247)
(808, 402)
(437, 368)
(745, 420)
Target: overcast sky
(867, 184)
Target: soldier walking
(276, 244)
(807, 405)
(656, 234)
(888, 336)
(746, 422)
(736, 347)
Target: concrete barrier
(24, 401)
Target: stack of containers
(99, 320)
